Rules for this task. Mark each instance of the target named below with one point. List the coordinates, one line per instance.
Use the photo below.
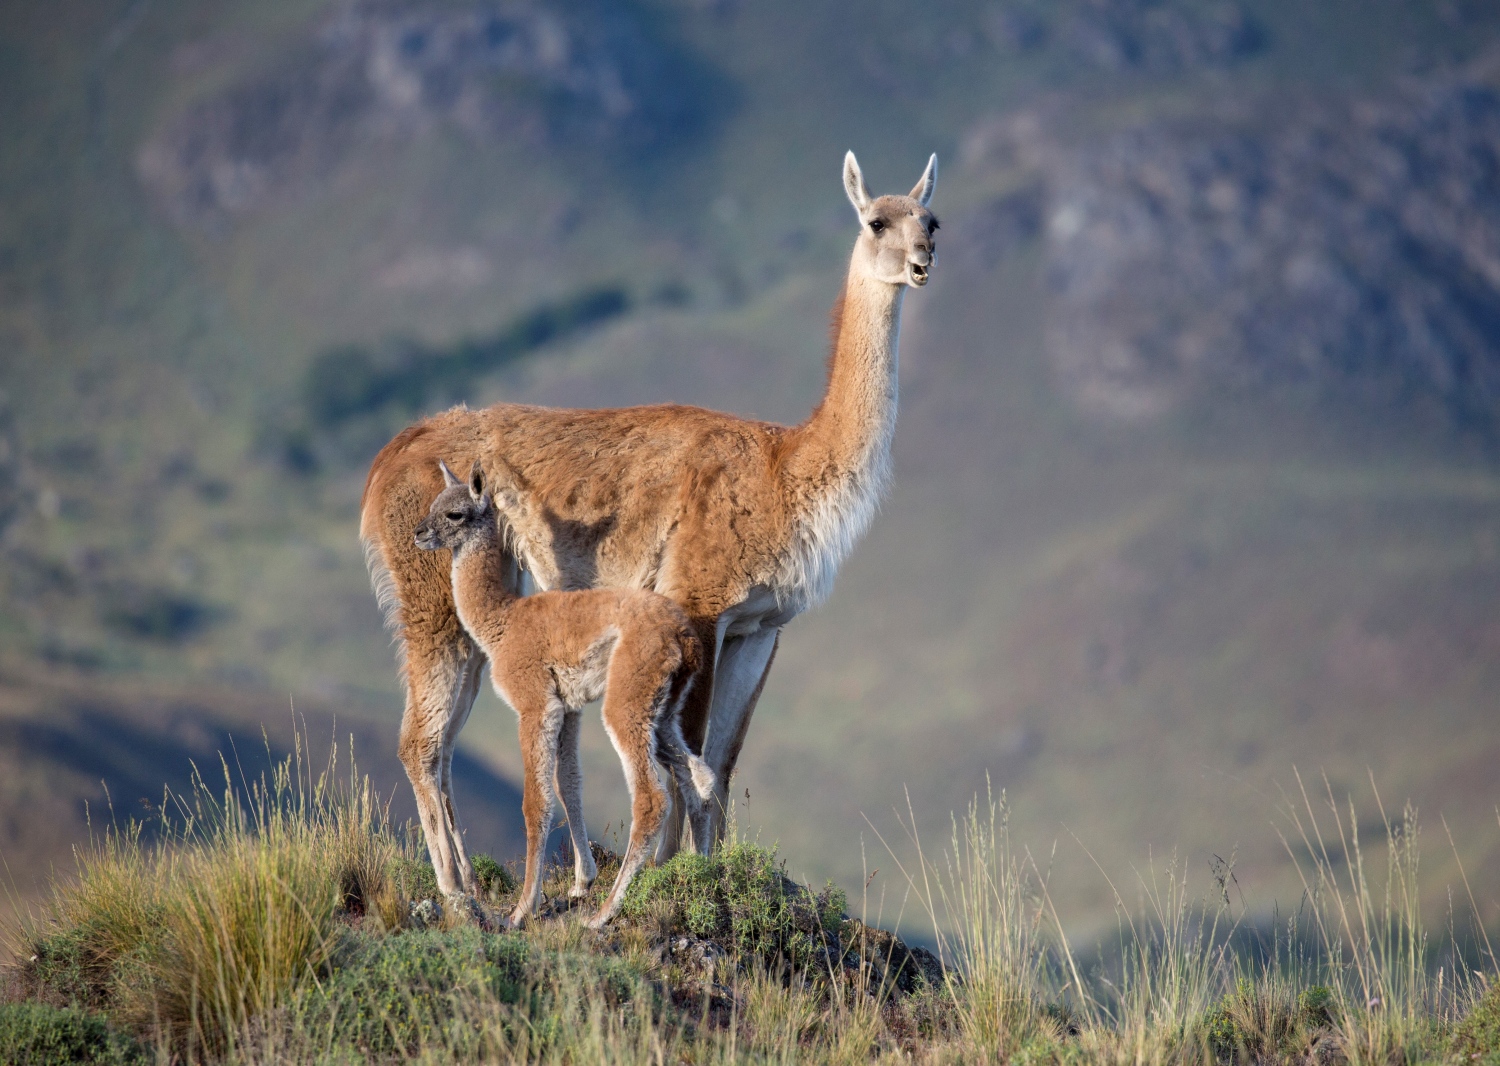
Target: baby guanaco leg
(541, 724)
(630, 717)
(570, 788)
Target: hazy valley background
(1196, 464)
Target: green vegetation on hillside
(399, 379)
(1478, 1036)
(286, 923)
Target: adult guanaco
(742, 523)
(553, 652)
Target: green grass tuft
(189, 940)
(1477, 1038)
(1267, 1019)
(394, 995)
(40, 1035)
(494, 880)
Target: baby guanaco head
(463, 516)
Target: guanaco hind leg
(441, 685)
(715, 718)
(462, 706)
(743, 666)
(649, 806)
(693, 714)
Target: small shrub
(1264, 1019)
(459, 993)
(70, 968)
(1478, 1037)
(494, 879)
(415, 879)
(1316, 1006)
(741, 898)
(40, 1035)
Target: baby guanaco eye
(876, 226)
(456, 516)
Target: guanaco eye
(877, 226)
(456, 516)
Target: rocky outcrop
(1159, 36)
(546, 74)
(1346, 248)
(888, 963)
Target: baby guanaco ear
(476, 482)
(449, 477)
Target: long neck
(836, 464)
(849, 435)
(484, 590)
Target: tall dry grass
(986, 905)
(1372, 948)
(229, 908)
(1353, 974)
(226, 937)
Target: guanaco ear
(476, 482)
(449, 477)
(854, 184)
(503, 475)
(922, 191)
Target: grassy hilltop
(1147, 551)
(288, 922)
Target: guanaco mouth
(918, 274)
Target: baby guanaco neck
(486, 582)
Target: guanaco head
(464, 514)
(896, 242)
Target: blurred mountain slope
(1136, 628)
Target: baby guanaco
(552, 652)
